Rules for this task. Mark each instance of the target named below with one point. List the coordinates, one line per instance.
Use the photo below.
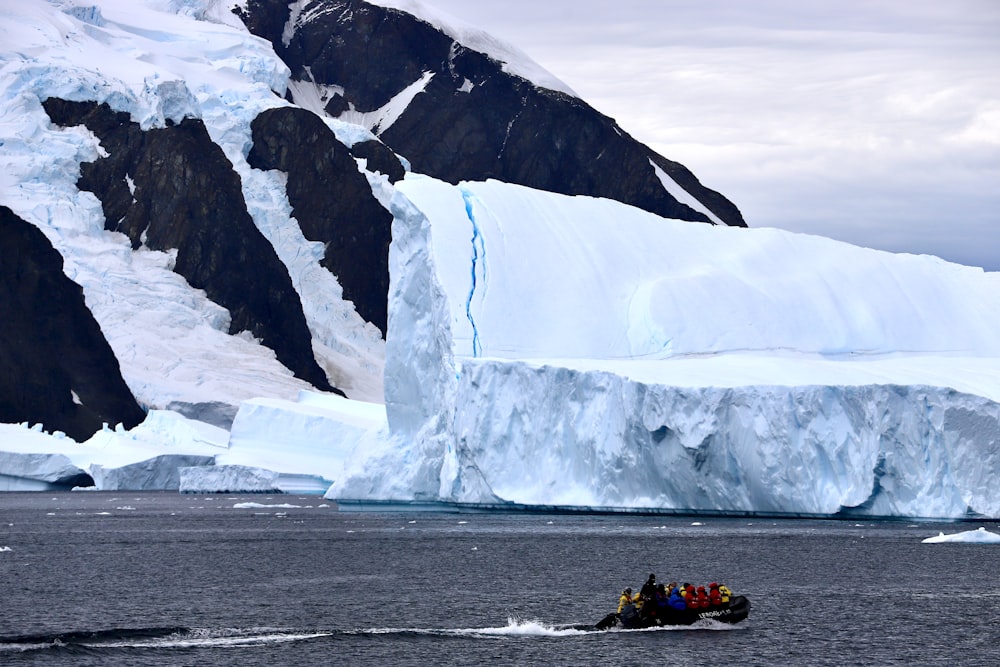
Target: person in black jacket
(648, 589)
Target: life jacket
(724, 593)
(691, 597)
(714, 596)
(624, 601)
(703, 601)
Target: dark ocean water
(166, 579)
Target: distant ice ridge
(671, 365)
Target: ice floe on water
(978, 536)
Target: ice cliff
(580, 352)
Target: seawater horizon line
(357, 505)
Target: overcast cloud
(874, 122)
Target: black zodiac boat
(734, 611)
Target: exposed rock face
(473, 121)
(173, 188)
(56, 368)
(332, 202)
(379, 158)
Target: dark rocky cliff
(332, 202)
(56, 368)
(473, 121)
(186, 196)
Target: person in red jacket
(690, 596)
(703, 601)
(714, 596)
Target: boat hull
(630, 618)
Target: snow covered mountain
(262, 204)
(459, 104)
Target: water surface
(165, 579)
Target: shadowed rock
(332, 202)
(56, 367)
(185, 195)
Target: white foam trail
(211, 639)
(514, 628)
(518, 628)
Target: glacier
(582, 353)
(541, 349)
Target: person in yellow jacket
(626, 599)
(724, 593)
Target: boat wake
(515, 628)
(166, 638)
(89, 641)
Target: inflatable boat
(631, 617)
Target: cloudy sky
(871, 121)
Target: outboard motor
(630, 616)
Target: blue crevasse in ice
(478, 257)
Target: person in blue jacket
(676, 600)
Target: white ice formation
(552, 350)
(978, 536)
(542, 349)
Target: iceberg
(554, 350)
(978, 536)
(159, 473)
(39, 472)
(228, 479)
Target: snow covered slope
(678, 366)
(162, 62)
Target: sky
(875, 122)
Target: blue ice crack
(478, 255)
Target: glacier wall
(553, 435)
(551, 350)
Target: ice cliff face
(656, 373)
(581, 438)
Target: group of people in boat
(655, 599)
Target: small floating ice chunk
(979, 536)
